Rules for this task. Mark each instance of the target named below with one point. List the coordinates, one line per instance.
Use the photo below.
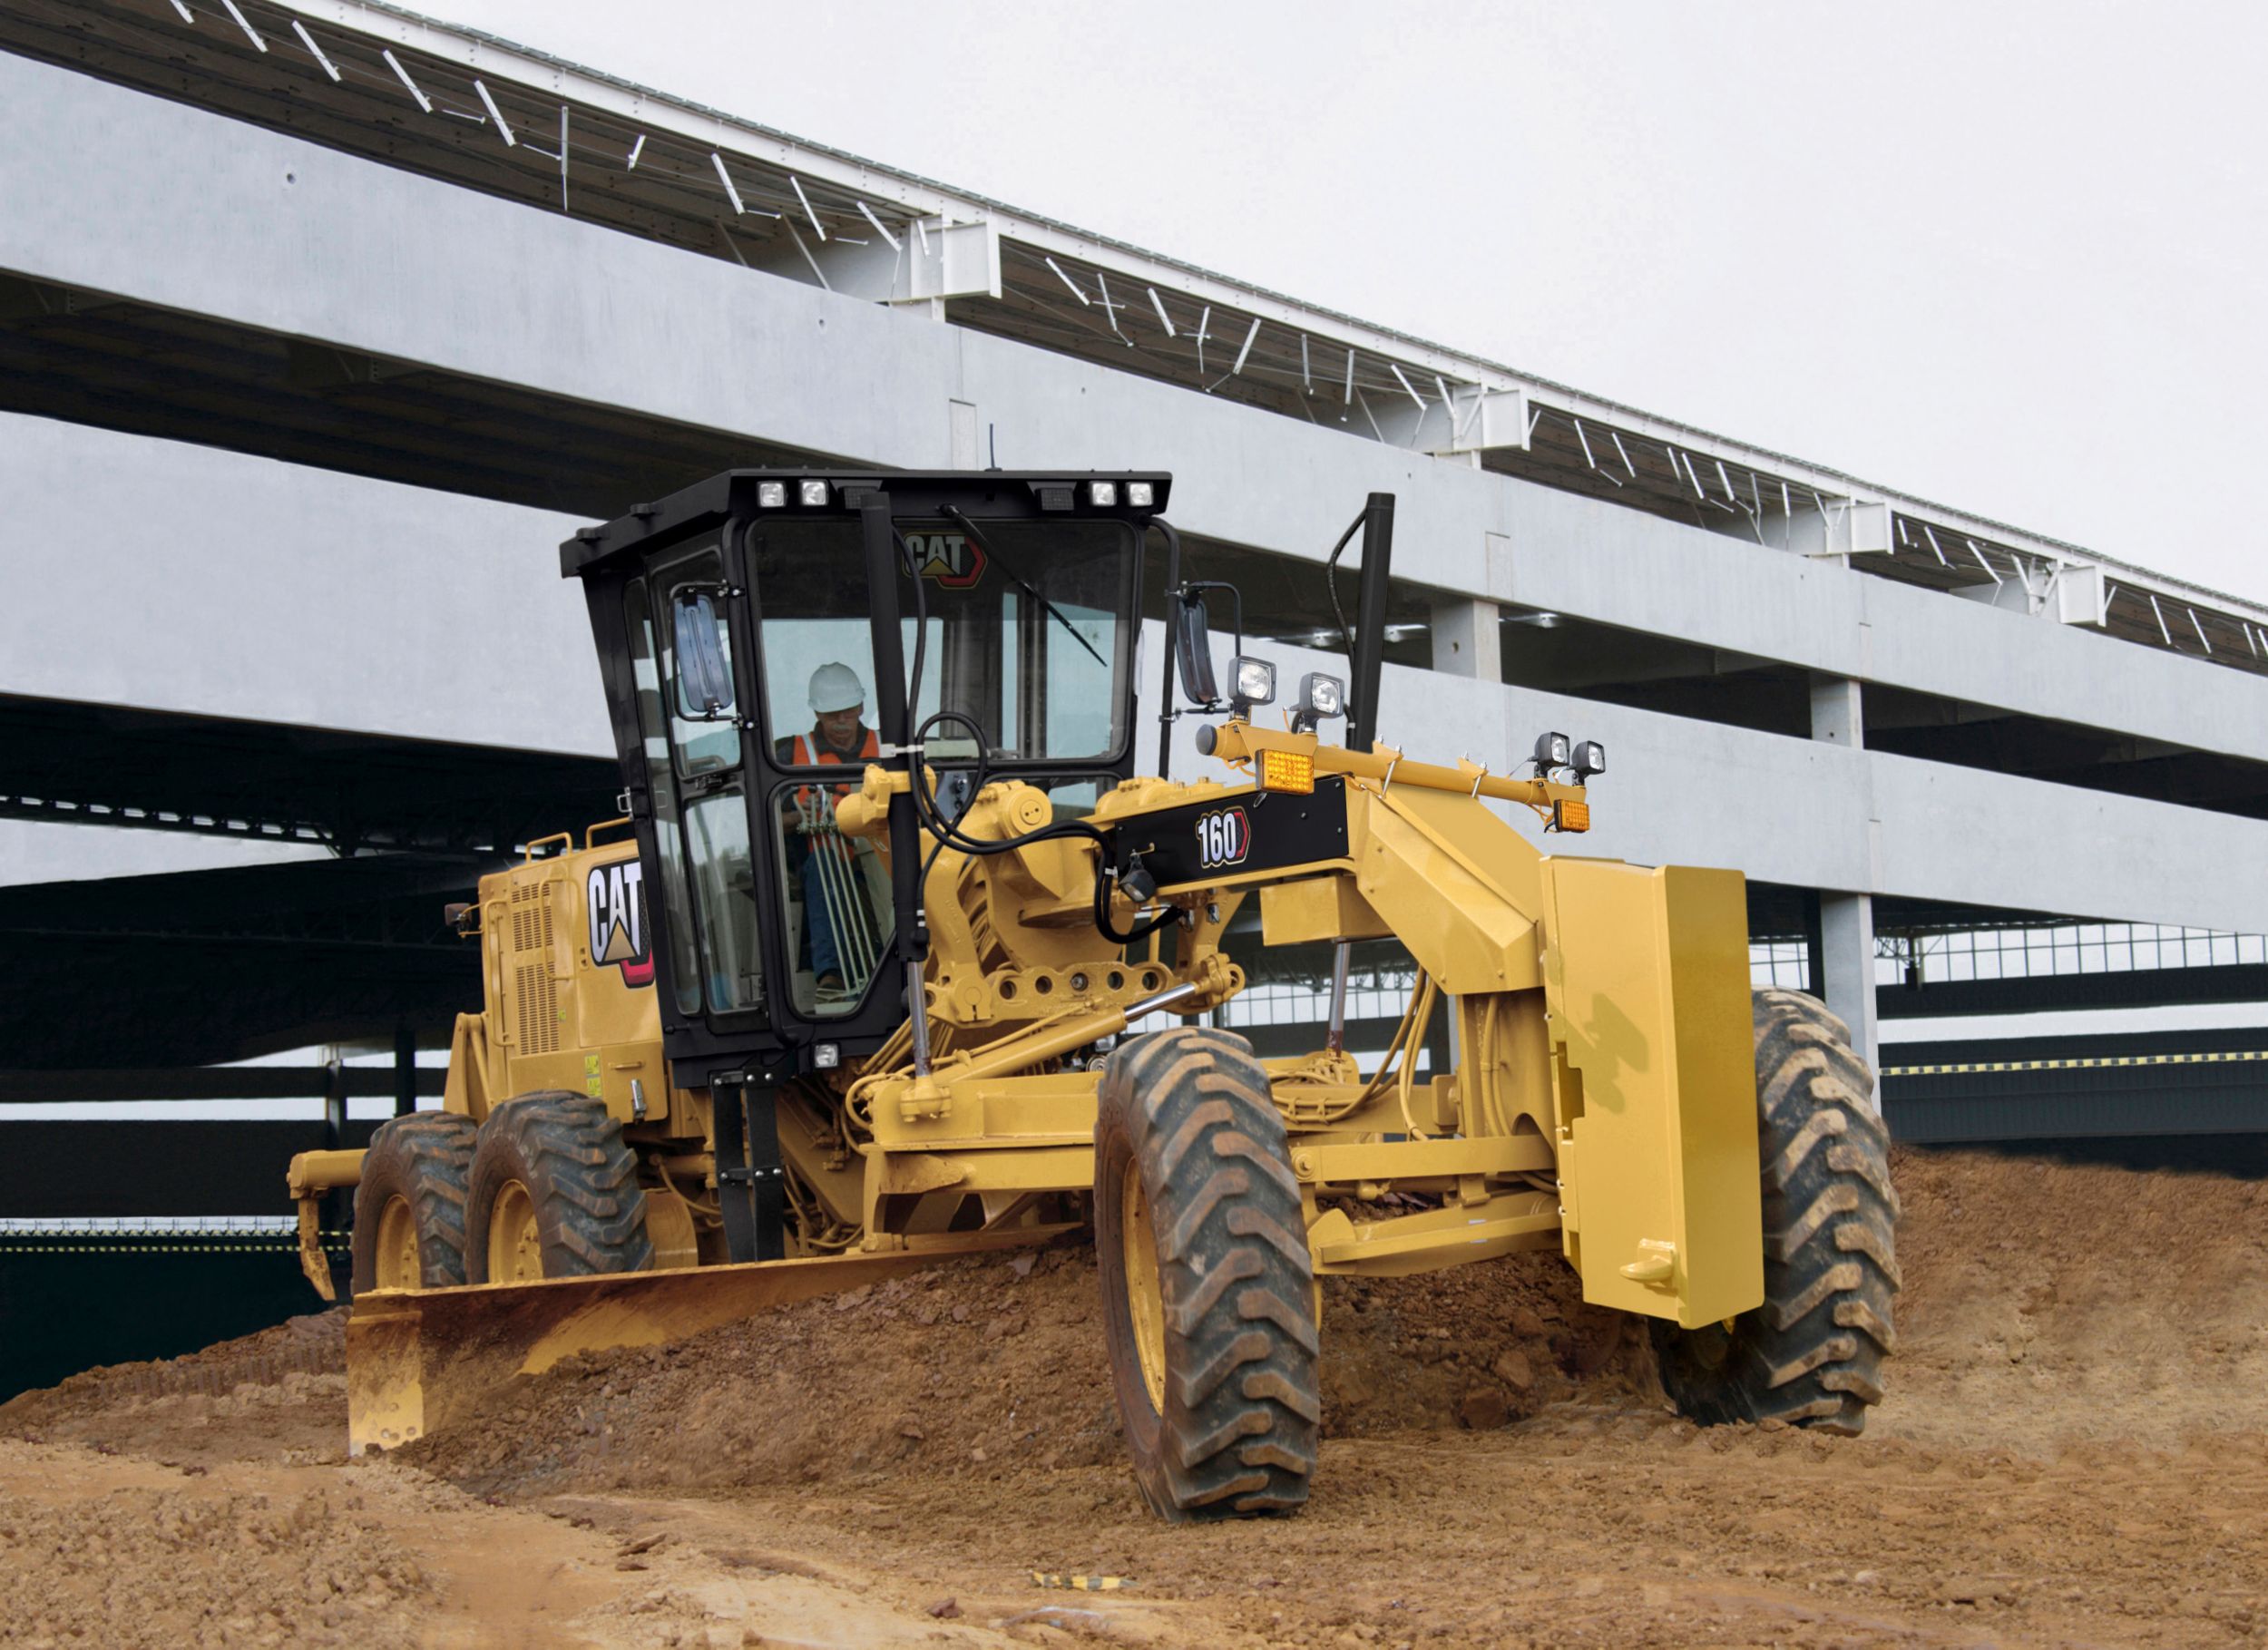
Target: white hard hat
(835, 687)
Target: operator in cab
(838, 735)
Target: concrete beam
(1637, 573)
(170, 205)
(189, 579)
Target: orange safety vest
(808, 755)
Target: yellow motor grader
(873, 970)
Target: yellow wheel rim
(397, 1256)
(1145, 1300)
(515, 1248)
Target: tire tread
(1812, 1354)
(568, 1150)
(1237, 1432)
(427, 1156)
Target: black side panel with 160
(1248, 831)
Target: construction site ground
(2075, 1450)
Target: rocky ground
(2075, 1449)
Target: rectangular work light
(1255, 681)
(1321, 695)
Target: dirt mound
(2046, 1304)
(280, 1391)
(2074, 1449)
(2049, 1303)
(997, 1367)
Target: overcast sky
(2006, 256)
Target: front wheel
(553, 1192)
(1811, 1355)
(1208, 1287)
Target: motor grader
(871, 970)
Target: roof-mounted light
(771, 496)
(1252, 681)
(1321, 696)
(814, 493)
(1141, 495)
(1103, 494)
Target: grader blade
(419, 1360)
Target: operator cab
(764, 636)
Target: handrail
(589, 838)
(567, 837)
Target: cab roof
(982, 494)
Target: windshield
(1027, 634)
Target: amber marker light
(1287, 770)
(1570, 815)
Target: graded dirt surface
(2074, 1450)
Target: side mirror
(704, 667)
(1193, 648)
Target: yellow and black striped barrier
(2101, 1062)
(132, 1235)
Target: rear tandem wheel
(409, 1204)
(553, 1193)
(1811, 1355)
(1207, 1286)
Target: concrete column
(1465, 639)
(1846, 936)
(1846, 921)
(1836, 712)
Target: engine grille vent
(535, 994)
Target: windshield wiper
(1023, 583)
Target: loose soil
(2075, 1449)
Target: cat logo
(950, 558)
(615, 897)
